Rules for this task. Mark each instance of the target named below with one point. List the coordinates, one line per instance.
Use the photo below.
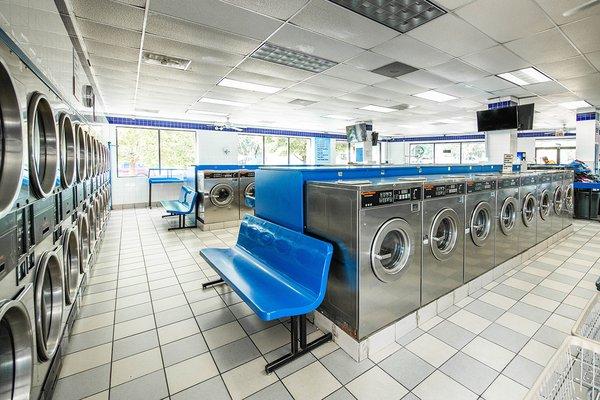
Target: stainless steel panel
(81, 152)
(479, 233)
(528, 217)
(68, 160)
(509, 213)
(544, 208)
(48, 304)
(71, 264)
(85, 242)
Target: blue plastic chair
(181, 207)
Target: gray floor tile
(83, 384)
(252, 324)
(213, 389)
(96, 308)
(509, 291)
(134, 344)
(343, 367)
(524, 276)
(215, 318)
(523, 371)
(469, 372)
(292, 367)
(148, 387)
(550, 336)
(172, 315)
(133, 289)
(235, 354)
(406, 368)
(530, 312)
(568, 311)
(555, 276)
(583, 293)
(452, 334)
(410, 336)
(340, 394)
(449, 311)
(549, 293)
(89, 339)
(230, 298)
(274, 392)
(410, 396)
(484, 310)
(133, 312)
(168, 291)
(101, 287)
(505, 337)
(183, 349)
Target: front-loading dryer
(443, 236)
(545, 205)
(219, 198)
(480, 229)
(528, 211)
(568, 205)
(85, 241)
(375, 229)
(508, 216)
(557, 194)
(247, 189)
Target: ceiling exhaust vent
(292, 58)
(400, 15)
(302, 102)
(165, 61)
(401, 107)
(394, 70)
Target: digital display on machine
(212, 175)
(529, 180)
(247, 174)
(508, 183)
(384, 197)
(432, 191)
(545, 178)
(407, 194)
(480, 186)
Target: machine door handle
(478, 226)
(437, 239)
(381, 257)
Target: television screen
(525, 117)
(498, 119)
(356, 133)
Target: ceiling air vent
(292, 58)
(165, 61)
(400, 15)
(302, 102)
(401, 107)
(394, 70)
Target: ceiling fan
(582, 7)
(228, 126)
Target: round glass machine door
(221, 195)
(508, 215)
(444, 234)
(558, 200)
(544, 204)
(481, 223)
(569, 199)
(48, 304)
(43, 146)
(528, 209)
(250, 190)
(392, 249)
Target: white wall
(396, 153)
(528, 146)
(587, 139)
(219, 148)
(498, 143)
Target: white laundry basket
(587, 325)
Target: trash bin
(594, 203)
(582, 204)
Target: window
(137, 151)
(300, 151)
(177, 149)
(276, 150)
(560, 151)
(473, 152)
(341, 152)
(421, 153)
(250, 150)
(447, 153)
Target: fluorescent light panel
(435, 96)
(380, 109)
(292, 58)
(253, 87)
(525, 76)
(574, 105)
(223, 102)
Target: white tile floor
(147, 330)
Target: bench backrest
(183, 194)
(189, 198)
(303, 259)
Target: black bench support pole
(212, 283)
(181, 222)
(298, 344)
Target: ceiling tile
(452, 4)
(546, 88)
(210, 73)
(110, 13)
(556, 8)
(505, 20)
(318, 90)
(369, 60)
(466, 90)
(109, 35)
(354, 74)
(128, 66)
(190, 52)
(594, 58)
(299, 39)
(219, 15)
(110, 51)
(585, 33)
(458, 71)
(496, 60)
(516, 92)
(275, 70)
(188, 32)
(412, 52)
(585, 86)
(544, 47)
(334, 83)
(492, 83)
(337, 22)
(465, 103)
(136, 3)
(571, 68)
(401, 86)
(273, 8)
(426, 79)
(452, 35)
(260, 79)
(383, 94)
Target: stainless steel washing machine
(247, 188)
(375, 271)
(557, 195)
(544, 200)
(528, 210)
(508, 216)
(443, 236)
(480, 229)
(219, 197)
(568, 194)
(85, 241)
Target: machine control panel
(385, 197)
(529, 180)
(480, 186)
(214, 175)
(452, 189)
(545, 178)
(508, 183)
(247, 174)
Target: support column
(587, 136)
(499, 143)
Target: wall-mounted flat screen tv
(514, 117)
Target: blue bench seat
(181, 207)
(278, 273)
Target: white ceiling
(458, 54)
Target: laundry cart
(573, 373)
(588, 324)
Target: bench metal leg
(212, 283)
(298, 344)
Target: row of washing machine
(222, 195)
(54, 201)
(402, 243)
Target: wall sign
(322, 150)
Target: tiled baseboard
(386, 337)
